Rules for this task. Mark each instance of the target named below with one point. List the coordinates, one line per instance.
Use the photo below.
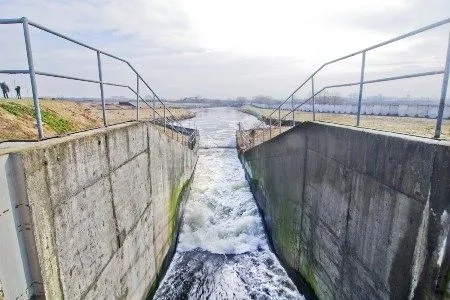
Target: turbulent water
(222, 251)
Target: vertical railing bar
(37, 109)
(164, 116)
(361, 85)
(154, 108)
(137, 97)
(437, 132)
(263, 134)
(102, 93)
(270, 127)
(279, 119)
(313, 99)
(292, 108)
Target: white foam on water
(202, 275)
(222, 251)
(221, 215)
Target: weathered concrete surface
(102, 210)
(358, 213)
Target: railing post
(293, 114)
(279, 119)
(154, 115)
(102, 93)
(437, 132)
(270, 127)
(363, 65)
(313, 99)
(37, 109)
(164, 116)
(137, 97)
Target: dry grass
(115, 116)
(61, 117)
(405, 125)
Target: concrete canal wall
(92, 215)
(357, 213)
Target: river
(222, 252)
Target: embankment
(91, 215)
(400, 124)
(407, 109)
(61, 117)
(357, 213)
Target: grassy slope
(61, 117)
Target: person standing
(18, 92)
(5, 89)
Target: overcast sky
(229, 48)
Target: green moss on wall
(311, 279)
(174, 206)
(446, 295)
(176, 197)
(153, 288)
(284, 232)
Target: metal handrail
(362, 82)
(32, 72)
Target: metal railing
(278, 121)
(166, 121)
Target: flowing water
(222, 251)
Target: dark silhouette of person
(18, 92)
(5, 90)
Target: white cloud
(224, 48)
